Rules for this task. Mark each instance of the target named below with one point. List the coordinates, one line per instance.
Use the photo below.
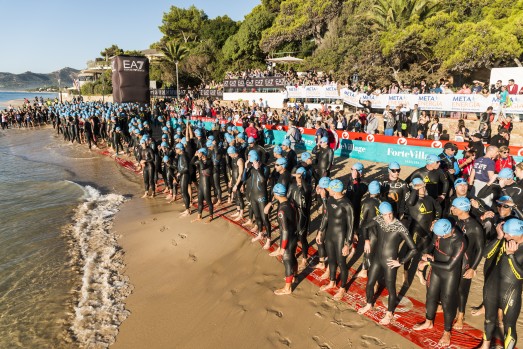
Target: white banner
(475, 103)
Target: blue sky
(44, 36)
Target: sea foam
(96, 255)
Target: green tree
(114, 50)
(174, 54)
(182, 24)
(218, 30)
(400, 13)
(136, 53)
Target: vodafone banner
(475, 103)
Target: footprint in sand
(155, 219)
(275, 312)
(320, 344)
(234, 292)
(283, 340)
(318, 314)
(366, 340)
(193, 257)
(143, 222)
(163, 228)
(183, 236)
(356, 324)
(174, 243)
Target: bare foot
(282, 292)
(320, 266)
(144, 196)
(218, 203)
(254, 229)
(257, 238)
(444, 340)
(325, 275)
(339, 295)
(330, 285)
(478, 311)
(275, 253)
(267, 244)
(485, 345)
(197, 219)
(185, 213)
(458, 325)
(427, 325)
(234, 215)
(209, 220)
(171, 201)
(387, 318)
(365, 309)
(302, 265)
(249, 222)
(237, 219)
(362, 274)
(168, 197)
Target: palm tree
(175, 53)
(400, 13)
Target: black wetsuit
(337, 226)
(292, 160)
(235, 173)
(301, 196)
(287, 222)
(475, 237)
(204, 184)
(356, 188)
(169, 175)
(259, 197)
(216, 156)
(322, 252)
(396, 193)
(88, 129)
(435, 180)
(502, 290)
(388, 239)
(422, 212)
(369, 210)
(147, 154)
(323, 162)
(445, 276)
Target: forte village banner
(441, 102)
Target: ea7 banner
(130, 79)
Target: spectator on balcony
(465, 90)
(372, 124)
(485, 132)
(435, 129)
(512, 87)
(505, 160)
(501, 139)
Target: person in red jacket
(512, 88)
(505, 160)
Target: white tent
(286, 59)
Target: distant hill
(30, 80)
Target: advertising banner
(130, 76)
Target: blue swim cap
(300, 171)
(178, 130)
(229, 138)
(165, 158)
(460, 181)
(279, 189)
(164, 144)
(503, 199)
(506, 173)
(176, 136)
(184, 141)
(142, 141)
(336, 186)
(179, 146)
(241, 135)
(253, 156)
(229, 129)
(277, 150)
(209, 143)
(394, 165)
(281, 162)
(211, 138)
(442, 227)
(231, 150)
(250, 140)
(461, 203)
(417, 181)
(324, 182)
(165, 129)
(118, 129)
(286, 143)
(431, 158)
(513, 227)
(358, 167)
(203, 151)
(164, 136)
(305, 156)
(385, 207)
(197, 132)
(374, 187)
(324, 140)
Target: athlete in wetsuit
(338, 228)
(290, 155)
(300, 194)
(321, 191)
(204, 165)
(395, 190)
(147, 162)
(390, 233)
(287, 221)
(475, 238)
(169, 177)
(356, 188)
(444, 256)
(215, 156)
(237, 168)
(183, 175)
(503, 285)
(423, 210)
(324, 159)
(369, 209)
(434, 178)
(258, 176)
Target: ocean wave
(98, 308)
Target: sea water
(5, 97)
(61, 280)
